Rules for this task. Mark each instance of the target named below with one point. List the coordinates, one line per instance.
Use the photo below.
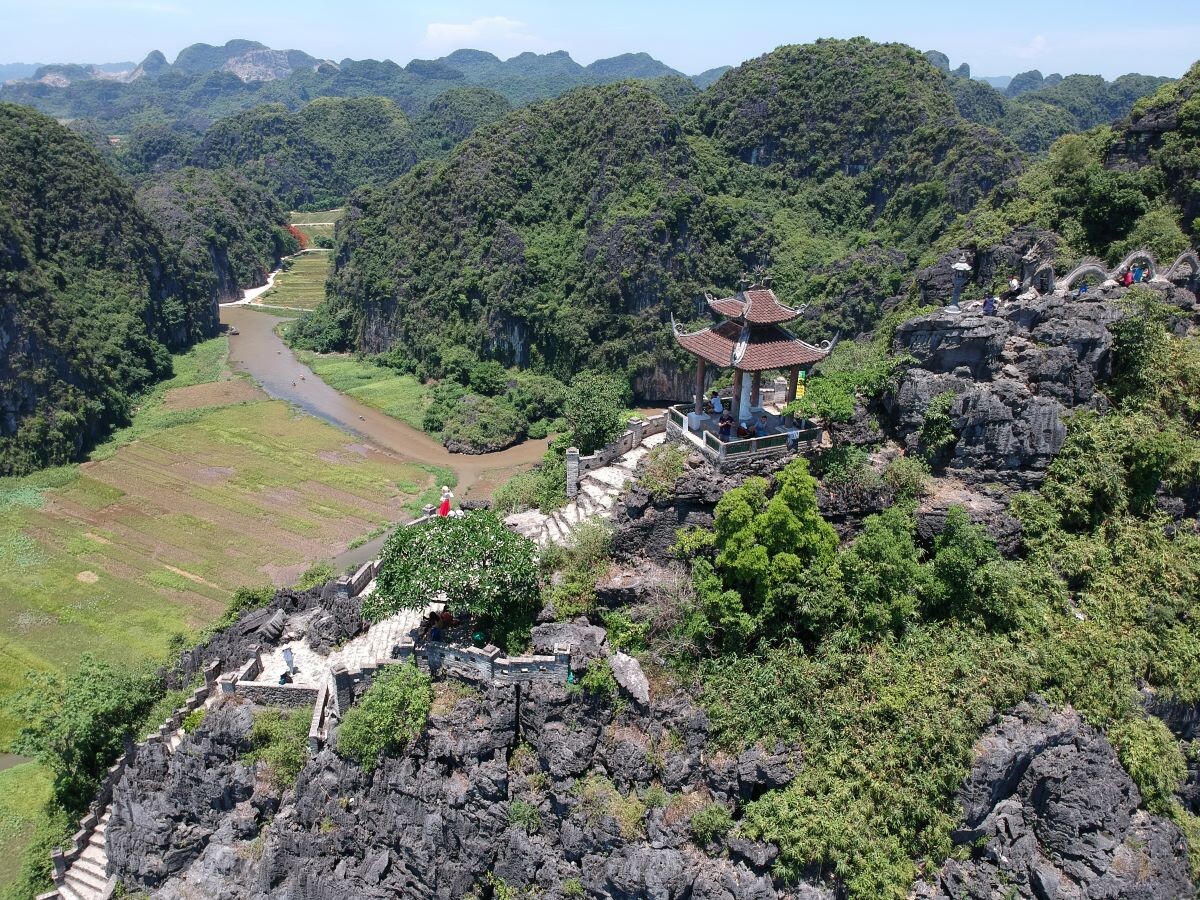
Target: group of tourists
(1134, 275)
(725, 424)
(436, 626)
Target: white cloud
(1035, 48)
(491, 31)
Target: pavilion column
(700, 385)
(793, 379)
(755, 387)
(736, 402)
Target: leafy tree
(771, 553)
(389, 716)
(480, 565)
(594, 409)
(77, 725)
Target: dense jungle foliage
(92, 295)
(230, 231)
(314, 157)
(1110, 191)
(562, 236)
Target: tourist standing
(447, 496)
(717, 406)
(725, 426)
(989, 306)
(761, 427)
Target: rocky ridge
(1052, 815)
(537, 788)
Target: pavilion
(751, 340)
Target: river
(259, 351)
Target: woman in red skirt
(444, 509)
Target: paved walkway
(599, 491)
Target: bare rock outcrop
(1054, 816)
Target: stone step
(87, 880)
(95, 853)
(67, 891)
(91, 867)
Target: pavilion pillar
(736, 401)
(755, 388)
(793, 379)
(699, 385)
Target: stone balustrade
(639, 429)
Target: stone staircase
(87, 878)
(379, 640)
(599, 491)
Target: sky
(1156, 37)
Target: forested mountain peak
(93, 295)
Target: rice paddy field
(212, 487)
(318, 224)
(301, 286)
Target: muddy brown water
(257, 350)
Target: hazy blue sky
(1159, 37)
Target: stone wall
(290, 696)
(638, 430)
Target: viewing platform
(703, 433)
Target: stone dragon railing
(1039, 273)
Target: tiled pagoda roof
(757, 304)
(765, 347)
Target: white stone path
(599, 491)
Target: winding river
(259, 351)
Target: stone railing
(639, 429)
(478, 665)
(62, 859)
(243, 683)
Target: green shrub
(661, 469)
(1153, 759)
(76, 725)
(314, 576)
(245, 599)
(279, 738)
(524, 815)
(390, 715)
(599, 681)
(599, 797)
(482, 423)
(908, 477)
(573, 888)
(193, 719)
(594, 408)
(711, 823)
(937, 433)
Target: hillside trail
(257, 350)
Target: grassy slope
(400, 396)
(24, 790)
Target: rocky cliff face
(437, 820)
(1052, 814)
(1014, 377)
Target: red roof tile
(757, 304)
(769, 347)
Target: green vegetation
(884, 662)
(578, 565)
(300, 284)
(315, 576)
(314, 157)
(480, 565)
(1098, 210)
(75, 726)
(524, 815)
(559, 237)
(226, 228)
(279, 739)
(711, 823)
(663, 467)
(390, 714)
(24, 792)
(398, 395)
(600, 798)
(95, 295)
